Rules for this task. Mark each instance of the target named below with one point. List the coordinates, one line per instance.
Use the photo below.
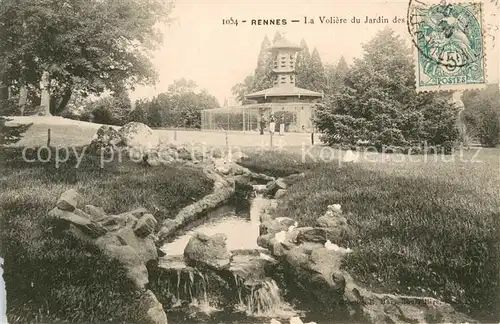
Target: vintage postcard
(248, 161)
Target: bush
(482, 114)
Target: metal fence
(296, 117)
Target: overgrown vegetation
(423, 228)
(57, 278)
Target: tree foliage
(86, 46)
(379, 103)
(180, 106)
(482, 114)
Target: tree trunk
(23, 98)
(58, 109)
(45, 94)
(4, 86)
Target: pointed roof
(284, 43)
(280, 91)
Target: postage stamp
(448, 45)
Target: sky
(199, 47)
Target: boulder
(106, 137)
(273, 186)
(97, 213)
(129, 258)
(251, 266)
(276, 225)
(145, 225)
(79, 221)
(222, 166)
(315, 271)
(369, 307)
(139, 139)
(208, 250)
(280, 193)
(334, 224)
(155, 312)
(311, 235)
(69, 200)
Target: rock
(222, 166)
(69, 200)
(251, 266)
(317, 271)
(209, 250)
(138, 212)
(129, 258)
(139, 139)
(334, 224)
(276, 225)
(145, 225)
(81, 222)
(117, 221)
(388, 308)
(106, 137)
(97, 213)
(155, 313)
(154, 159)
(274, 186)
(311, 235)
(280, 193)
(259, 189)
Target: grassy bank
(58, 278)
(425, 227)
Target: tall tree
(379, 102)
(303, 65)
(277, 36)
(263, 76)
(316, 73)
(81, 46)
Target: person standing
(282, 126)
(272, 124)
(262, 124)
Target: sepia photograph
(249, 161)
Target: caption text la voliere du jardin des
(309, 20)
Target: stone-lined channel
(194, 294)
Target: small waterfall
(265, 299)
(189, 286)
(261, 299)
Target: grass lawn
(49, 278)
(423, 227)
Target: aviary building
(283, 99)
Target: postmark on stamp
(448, 45)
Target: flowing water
(256, 301)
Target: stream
(194, 291)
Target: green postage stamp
(448, 45)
